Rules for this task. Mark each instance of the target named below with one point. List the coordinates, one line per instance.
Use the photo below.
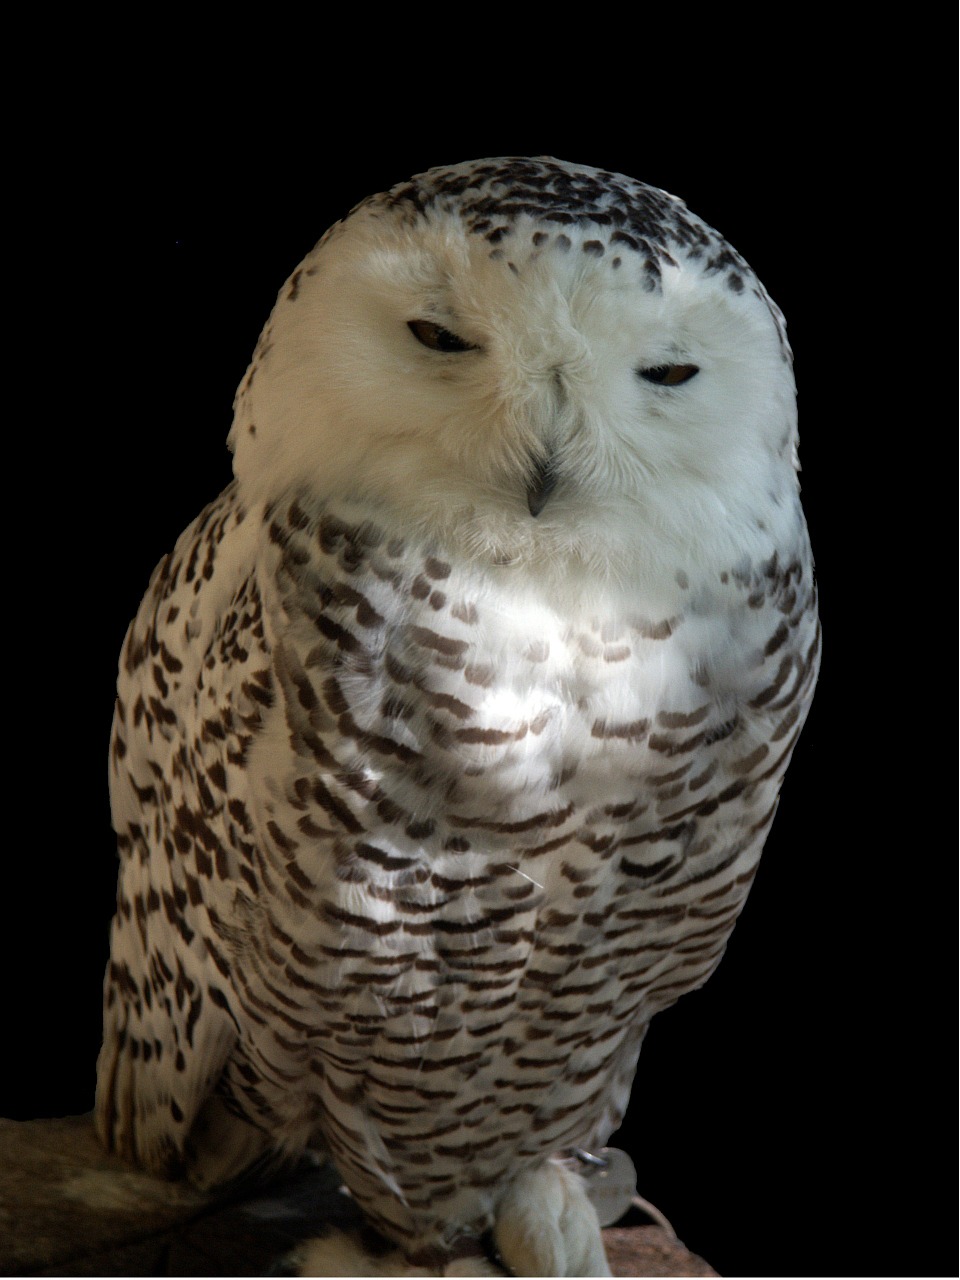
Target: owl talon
(342, 1254)
(546, 1225)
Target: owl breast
(506, 838)
(454, 702)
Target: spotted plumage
(449, 736)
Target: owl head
(540, 362)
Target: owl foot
(340, 1253)
(546, 1225)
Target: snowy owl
(449, 735)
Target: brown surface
(68, 1208)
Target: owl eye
(437, 338)
(669, 375)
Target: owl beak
(541, 484)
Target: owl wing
(193, 679)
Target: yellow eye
(669, 375)
(437, 338)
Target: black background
(789, 1117)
